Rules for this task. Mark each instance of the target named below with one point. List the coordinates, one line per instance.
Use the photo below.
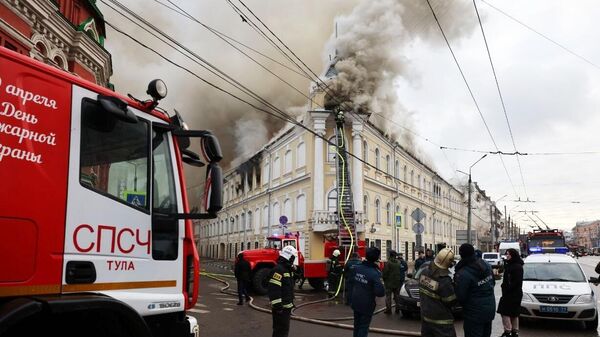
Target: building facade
(67, 34)
(587, 234)
(294, 175)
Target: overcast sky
(551, 96)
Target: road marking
(227, 299)
(227, 309)
(200, 305)
(200, 311)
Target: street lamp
(469, 201)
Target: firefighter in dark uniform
(281, 291)
(334, 271)
(437, 297)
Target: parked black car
(409, 295)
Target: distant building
(586, 234)
(295, 175)
(67, 34)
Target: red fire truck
(95, 226)
(315, 271)
(546, 241)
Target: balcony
(327, 222)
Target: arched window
(397, 212)
(404, 179)
(405, 218)
(331, 149)
(59, 62)
(365, 151)
(332, 200)
(388, 164)
(301, 155)
(301, 208)
(377, 159)
(257, 220)
(377, 211)
(388, 213)
(41, 48)
(265, 222)
(237, 223)
(243, 225)
(287, 209)
(397, 169)
(276, 213)
(276, 167)
(419, 181)
(250, 221)
(265, 174)
(287, 162)
(412, 177)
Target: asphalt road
(218, 314)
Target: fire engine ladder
(345, 204)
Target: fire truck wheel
(260, 282)
(317, 283)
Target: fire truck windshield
(274, 243)
(547, 242)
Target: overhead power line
(487, 48)
(471, 93)
(518, 153)
(543, 36)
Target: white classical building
(295, 175)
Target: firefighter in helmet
(281, 291)
(334, 271)
(437, 297)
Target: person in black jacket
(242, 275)
(349, 275)
(367, 286)
(474, 287)
(419, 261)
(512, 293)
(281, 291)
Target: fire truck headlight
(157, 89)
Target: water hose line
(224, 290)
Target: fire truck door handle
(80, 272)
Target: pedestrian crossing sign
(398, 220)
(135, 198)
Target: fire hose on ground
(326, 322)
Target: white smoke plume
(368, 48)
(252, 135)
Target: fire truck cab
(95, 227)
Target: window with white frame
(366, 207)
(276, 167)
(388, 164)
(287, 162)
(243, 226)
(265, 174)
(412, 177)
(301, 208)
(256, 219)
(287, 209)
(377, 211)
(276, 213)
(332, 199)
(301, 155)
(331, 149)
(404, 179)
(397, 169)
(377, 159)
(365, 151)
(265, 222)
(388, 213)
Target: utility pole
(469, 201)
(492, 223)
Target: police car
(555, 287)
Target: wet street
(218, 314)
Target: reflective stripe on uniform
(275, 301)
(275, 282)
(437, 297)
(289, 305)
(429, 294)
(286, 275)
(438, 321)
(449, 298)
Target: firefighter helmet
(444, 259)
(336, 253)
(289, 253)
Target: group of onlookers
(472, 287)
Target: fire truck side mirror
(117, 108)
(214, 189)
